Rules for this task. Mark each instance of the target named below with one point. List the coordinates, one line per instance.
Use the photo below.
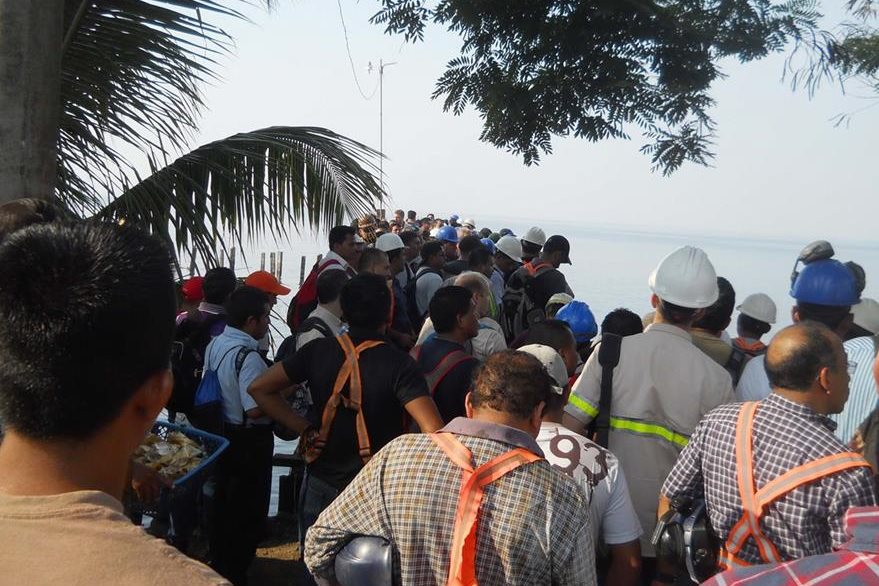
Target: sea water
(611, 267)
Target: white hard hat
(686, 278)
(510, 246)
(535, 235)
(552, 361)
(388, 242)
(866, 315)
(759, 306)
(469, 222)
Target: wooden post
(272, 263)
(280, 263)
(232, 258)
(302, 271)
(262, 261)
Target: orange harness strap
(754, 501)
(443, 367)
(349, 374)
(462, 566)
(534, 269)
(753, 348)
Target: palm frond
(250, 184)
(130, 75)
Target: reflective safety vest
(755, 501)
(349, 374)
(462, 566)
(443, 368)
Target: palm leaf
(250, 184)
(130, 75)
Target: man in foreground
(84, 343)
(742, 455)
(538, 531)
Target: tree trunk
(31, 33)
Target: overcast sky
(783, 170)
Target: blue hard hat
(578, 315)
(447, 233)
(489, 244)
(826, 282)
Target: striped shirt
(862, 388)
(805, 521)
(533, 526)
(855, 564)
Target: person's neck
(334, 308)
(456, 336)
(658, 318)
(554, 416)
(712, 333)
(810, 399)
(40, 468)
(500, 418)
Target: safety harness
(349, 374)
(443, 367)
(754, 501)
(462, 566)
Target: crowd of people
(454, 401)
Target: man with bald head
(743, 447)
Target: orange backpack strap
(462, 565)
(755, 501)
(349, 374)
(444, 367)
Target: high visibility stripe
(462, 565)
(807, 473)
(583, 406)
(652, 429)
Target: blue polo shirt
(221, 356)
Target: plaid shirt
(856, 564)
(533, 526)
(807, 520)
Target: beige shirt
(83, 539)
(489, 340)
(715, 348)
(662, 387)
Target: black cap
(558, 244)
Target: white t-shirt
(425, 288)
(489, 340)
(598, 473)
(754, 382)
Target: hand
(147, 483)
(857, 443)
(310, 444)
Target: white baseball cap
(760, 307)
(388, 242)
(686, 278)
(510, 246)
(469, 222)
(866, 315)
(535, 235)
(553, 362)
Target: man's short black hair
(431, 249)
(622, 322)
(408, 237)
(530, 248)
(554, 333)
(480, 257)
(468, 244)
(218, 284)
(246, 302)
(717, 317)
(329, 285)
(746, 323)
(675, 314)
(339, 234)
(447, 304)
(829, 315)
(394, 254)
(410, 215)
(485, 233)
(369, 258)
(797, 370)
(366, 301)
(511, 382)
(86, 318)
(27, 211)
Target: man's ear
(654, 301)
(468, 407)
(824, 378)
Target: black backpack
(191, 340)
(288, 347)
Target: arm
(266, 390)
(625, 564)
(425, 414)
(851, 488)
(621, 529)
(582, 405)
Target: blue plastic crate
(192, 481)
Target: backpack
(207, 411)
(305, 300)
(735, 364)
(519, 310)
(191, 339)
(608, 358)
(415, 316)
(288, 347)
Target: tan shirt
(83, 539)
(662, 387)
(713, 347)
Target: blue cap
(489, 244)
(447, 233)
(580, 318)
(506, 232)
(826, 282)
(454, 217)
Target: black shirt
(455, 267)
(390, 379)
(451, 390)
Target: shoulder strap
(315, 323)
(462, 565)
(444, 367)
(608, 358)
(735, 362)
(222, 358)
(241, 357)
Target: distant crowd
(461, 415)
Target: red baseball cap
(192, 289)
(265, 281)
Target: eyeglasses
(851, 367)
